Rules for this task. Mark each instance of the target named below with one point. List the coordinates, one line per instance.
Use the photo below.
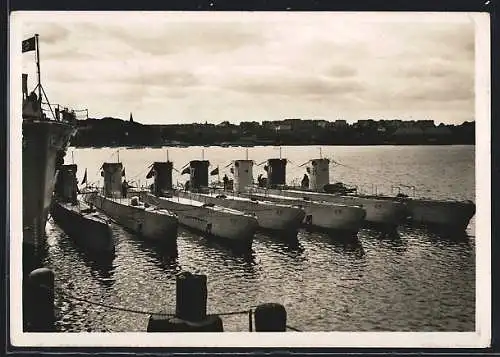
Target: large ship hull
(42, 141)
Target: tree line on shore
(107, 132)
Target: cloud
(439, 90)
(290, 64)
(342, 71)
(294, 85)
(172, 38)
(51, 33)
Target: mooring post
(191, 296)
(39, 300)
(270, 317)
(250, 323)
(191, 308)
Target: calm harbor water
(417, 281)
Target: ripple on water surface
(415, 281)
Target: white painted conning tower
(243, 174)
(162, 173)
(112, 173)
(319, 173)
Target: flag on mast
(215, 171)
(84, 178)
(29, 44)
(151, 173)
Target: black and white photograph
(258, 179)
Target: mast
(38, 71)
(40, 88)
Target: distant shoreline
(112, 132)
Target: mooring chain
(119, 308)
(143, 312)
(135, 311)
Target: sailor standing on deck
(305, 181)
(75, 191)
(225, 180)
(124, 188)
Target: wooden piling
(191, 296)
(39, 301)
(270, 317)
(191, 308)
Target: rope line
(67, 296)
(135, 311)
(233, 313)
(119, 308)
(141, 172)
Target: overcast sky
(172, 68)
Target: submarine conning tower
(319, 173)
(66, 184)
(243, 174)
(198, 174)
(276, 172)
(112, 173)
(162, 176)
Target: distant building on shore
(339, 124)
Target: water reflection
(438, 232)
(346, 245)
(415, 281)
(389, 234)
(130, 247)
(289, 246)
(235, 250)
(100, 264)
(247, 262)
(352, 248)
(283, 236)
(441, 239)
(452, 240)
(214, 252)
(101, 267)
(393, 241)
